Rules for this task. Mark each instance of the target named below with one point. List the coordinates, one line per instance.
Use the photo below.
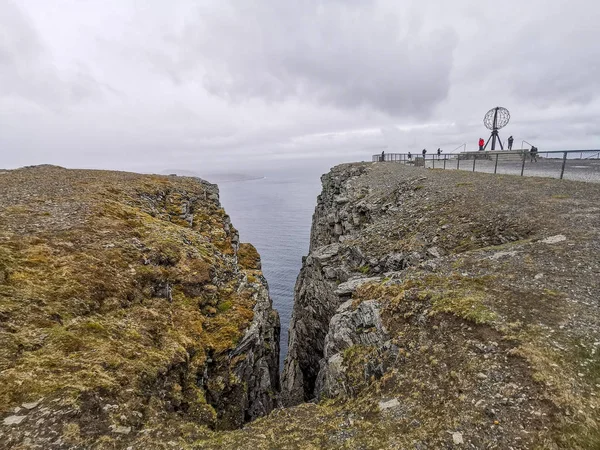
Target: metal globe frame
(495, 119)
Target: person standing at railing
(439, 152)
(409, 156)
(424, 152)
(533, 154)
(382, 156)
(510, 142)
(481, 144)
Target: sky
(251, 85)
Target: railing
(581, 165)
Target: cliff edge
(130, 314)
(438, 309)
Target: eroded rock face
(316, 299)
(129, 312)
(441, 309)
(348, 327)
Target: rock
(393, 403)
(119, 429)
(413, 259)
(337, 229)
(499, 255)
(434, 252)
(13, 420)
(457, 438)
(395, 262)
(325, 253)
(348, 327)
(31, 405)
(554, 239)
(330, 273)
(351, 285)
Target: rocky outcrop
(440, 309)
(130, 314)
(349, 327)
(315, 297)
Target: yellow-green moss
(248, 257)
(111, 300)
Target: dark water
(275, 214)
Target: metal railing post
(474, 159)
(562, 169)
(523, 165)
(496, 165)
(457, 162)
(444, 162)
(433, 159)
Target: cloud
(346, 55)
(221, 84)
(26, 70)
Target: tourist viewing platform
(581, 165)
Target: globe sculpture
(495, 119)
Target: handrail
(597, 155)
(529, 143)
(496, 156)
(505, 151)
(461, 145)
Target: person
(409, 156)
(533, 153)
(481, 144)
(424, 152)
(382, 155)
(439, 152)
(510, 142)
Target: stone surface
(393, 403)
(554, 239)
(13, 420)
(457, 438)
(31, 405)
(350, 286)
(120, 429)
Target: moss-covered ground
(120, 287)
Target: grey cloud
(228, 85)
(348, 55)
(559, 67)
(26, 70)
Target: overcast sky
(225, 85)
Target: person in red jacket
(481, 143)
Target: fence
(583, 165)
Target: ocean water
(275, 214)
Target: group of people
(532, 153)
(424, 152)
(482, 143)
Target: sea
(274, 213)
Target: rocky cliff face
(436, 309)
(315, 299)
(441, 309)
(130, 314)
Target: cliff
(130, 314)
(437, 309)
